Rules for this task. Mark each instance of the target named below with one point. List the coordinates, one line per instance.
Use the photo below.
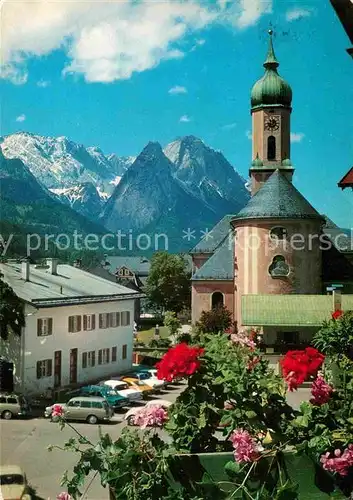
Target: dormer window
(279, 268)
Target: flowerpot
(313, 481)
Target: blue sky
(104, 77)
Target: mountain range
(185, 185)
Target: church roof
(212, 240)
(279, 199)
(220, 265)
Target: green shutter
(79, 323)
(85, 321)
(93, 358)
(93, 321)
(84, 360)
(108, 355)
(39, 371)
(100, 356)
(39, 327)
(50, 367)
(70, 324)
(50, 326)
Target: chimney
(25, 269)
(337, 300)
(53, 265)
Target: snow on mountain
(84, 198)
(207, 174)
(149, 196)
(121, 163)
(58, 162)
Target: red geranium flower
(297, 366)
(337, 314)
(180, 361)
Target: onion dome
(257, 162)
(271, 89)
(287, 163)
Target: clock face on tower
(272, 123)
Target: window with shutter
(70, 326)
(84, 360)
(85, 322)
(50, 368)
(39, 327)
(39, 370)
(93, 321)
(79, 323)
(101, 321)
(127, 317)
(93, 358)
(124, 353)
(107, 355)
(50, 326)
(114, 353)
(100, 356)
(117, 319)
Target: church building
(273, 263)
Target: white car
(129, 415)
(123, 389)
(149, 379)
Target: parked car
(129, 415)
(152, 372)
(138, 385)
(89, 409)
(146, 378)
(13, 405)
(123, 388)
(113, 398)
(13, 483)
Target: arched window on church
(217, 300)
(271, 148)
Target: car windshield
(144, 376)
(138, 382)
(112, 393)
(12, 479)
(122, 387)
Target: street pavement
(25, 442)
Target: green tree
(11, 311)
(216, 320)
(172, 322)
(168, 284)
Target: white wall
(41, 348)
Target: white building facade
(79, 327)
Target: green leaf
(288, 491)
(250, 414)
(232, 468)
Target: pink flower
(245, 446)
(63, 495)
(150, 416)
(242, 339)
(340, 462)
(321, 391)
(57, 411)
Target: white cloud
(297, 137)
(110, 40)
(248, 135)
(21, 118)
(244, 13)
(185, 119)
(198, 43)
(297, 13)
(177, 89)
(43, 83)
(229, 126)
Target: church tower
(271, 99)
